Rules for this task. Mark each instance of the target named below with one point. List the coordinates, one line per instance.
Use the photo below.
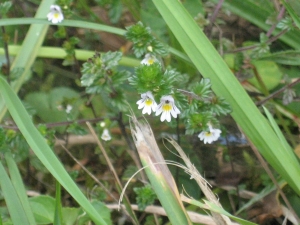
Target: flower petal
(158, 110)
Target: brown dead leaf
(266, 209)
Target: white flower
(147, 102)
(105, 135)
(102, 124)
(55, 15)
(167, 107)
(210, 136)
(69, 108)
(149, 59)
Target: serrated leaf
(219, 106)
(111, 59)
(145, 196)
(202, 88)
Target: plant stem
(279, 17)
(272, 39)
(274, 94)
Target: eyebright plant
(100, 75)
(195, 105)
(145, 196)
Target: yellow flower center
(56, 15)
(148, 102)
(151, 61)
(208, 134)
(167, 107)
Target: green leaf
(202, 88)
(70, 215)
(143, 40)
(43, 208)
(51, 106)
(219, 106)
(76, 129)
(102, 209)
(87, 79)
(269, 72)
(110, 59)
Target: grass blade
(14, 205)
(67, 23)
(17, 182)
(38, 144)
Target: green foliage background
(69, 74)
